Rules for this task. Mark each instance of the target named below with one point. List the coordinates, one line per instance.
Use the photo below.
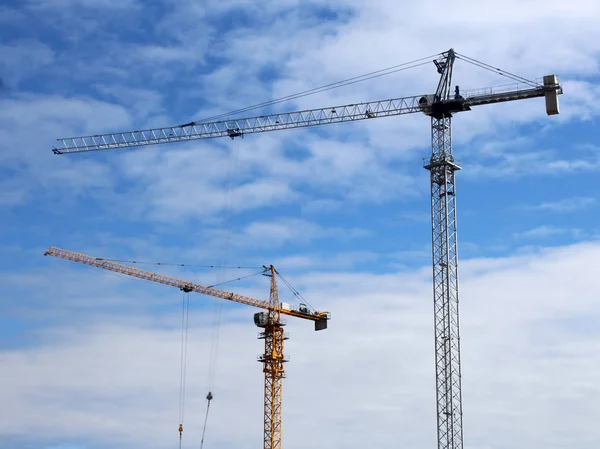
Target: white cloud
(317, 206)
(101, 364)
(566, 205)
(293, 231)
(28, 124)
(527, 356)
(61, 5)
(24, 58)
(541, 231)
(513, 164)
(325, 261)
(140, 102)
(359, 163)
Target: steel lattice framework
(290, 120)
(445, 285)
(238, 127)
(273, 357)
(444, 249)
(440, 107)
(273, 360)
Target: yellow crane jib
(300, 311)
(270, 321)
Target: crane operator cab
(234, 132)
(303, 308)
(261, 319)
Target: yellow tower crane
(273, 358)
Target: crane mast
(440, 106)
(273, 360)
(442, 167)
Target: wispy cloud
(547, 231)
(23, 59)
(334, 207)
(62, 5)
(84, 381)
(541, 231)
(295, 231)
(514, 165)
(566, 205)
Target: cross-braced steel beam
(445, 285)
(273, 360)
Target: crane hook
(209, 397)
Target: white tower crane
(440, 106)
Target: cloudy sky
(91, 359)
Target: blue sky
(91, 359)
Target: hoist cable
(187, 320)
(182, 351)
(224, 250)
(185, 313)
(491, 68)
(346, 82)
(206, 266)
(222, 268)
(236, 279)
(176, 264)
(306, 93)
(209, 398)
(514, 78)
(294, 291)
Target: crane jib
(238, 127)
(314, 117)
(320, 318)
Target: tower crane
(440, 107)
(270, 321)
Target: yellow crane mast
(273, 358)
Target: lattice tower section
(273, 366)
(445, 285)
